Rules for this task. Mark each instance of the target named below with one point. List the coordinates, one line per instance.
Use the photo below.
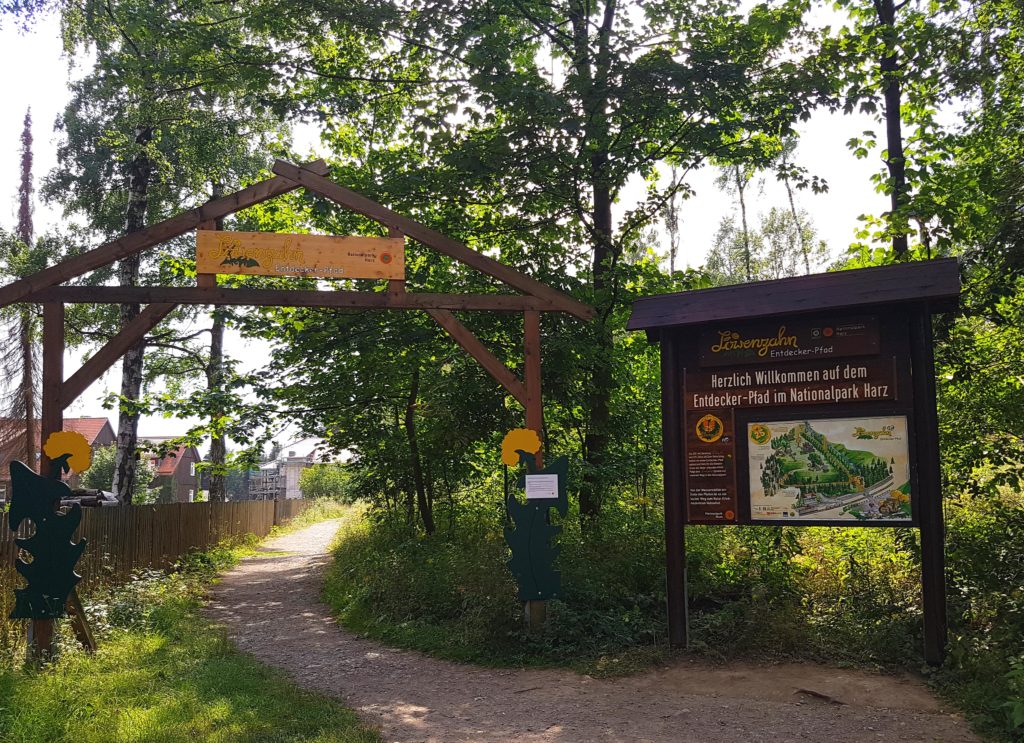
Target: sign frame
(743, 453)
(904, 295)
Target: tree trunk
(215, 385)
(672, 221)
(131, 367)
(602, 379)
(594, 70)
(796, 215)
(28, 384)
(741, 193)
(895, 160)
(422, 504)
(26, 233)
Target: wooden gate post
(40, 631)
(536, 611)
(52, 419)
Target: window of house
(192, 469)
(191, 495)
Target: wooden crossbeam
(150, 236)
(114, 349)
(294, 298)
(472, 345)
(431, 238)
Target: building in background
(97, 431)
(279, 479)
(176, 478)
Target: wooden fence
(125, 539)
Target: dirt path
(271, 607)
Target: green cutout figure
(532, 540)
(51, 574)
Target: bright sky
(42, 85)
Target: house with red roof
(176, 477)
(97, 431)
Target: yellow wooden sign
(319, 256)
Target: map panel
(836, 469)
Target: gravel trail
(271, 607)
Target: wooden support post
(929, 483)
(115, 348)
(40, 631)
(208, 279)
(471, 345)
(534, 401)
(536, 611)
(675, 525)
(396, 286)
(52, 419)
(80, 622)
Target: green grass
(834, 595)
(318, 510)
(451, 595)
(165, 674)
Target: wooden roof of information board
(936, 283)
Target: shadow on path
(271, 607)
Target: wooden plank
(52, 418)
(208, 279)
(291, 298)
(431, 238)
(115, 348)
(672, 472)
(937, 282)
(322, 256)
(929, 483)
(534, 401)
(397, 286)
(147, 238)
(472, 345)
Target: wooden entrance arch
(44, 287)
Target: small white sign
(541, 486)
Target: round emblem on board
(710, 429)
(386, 258)
(760, 433)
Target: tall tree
(20, 360)
(175, 100)
(896, 61)
(553, 108)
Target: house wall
(186, 480)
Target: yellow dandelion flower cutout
(69, 442)
(525, 439)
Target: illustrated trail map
(846, 469)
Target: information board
(801, 420)
(840, 469)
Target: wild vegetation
(518, 128)
(165, 673)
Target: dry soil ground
(272, 610)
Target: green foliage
(165, 673)
(100, 476)
(330, 480)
